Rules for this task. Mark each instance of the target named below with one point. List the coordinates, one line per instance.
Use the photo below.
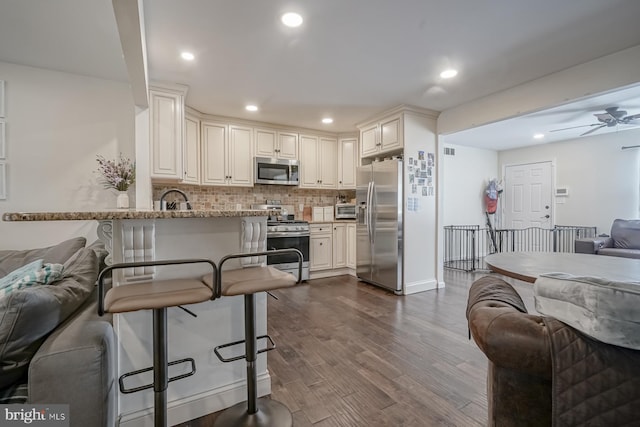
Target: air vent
(448, 151)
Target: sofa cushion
(27, 316)
(58, 254)
(602, 309)
(624, 253)
(626, 233)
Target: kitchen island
(131, 235)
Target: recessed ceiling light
(327, 120)
(291, 19)
(251, 108)
(447, 74)
(187, 56)
(538, 136)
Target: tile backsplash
(227, 198)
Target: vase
(122, 201)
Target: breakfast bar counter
(131, 235)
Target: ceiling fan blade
(630, 118)
(576, 127)
(593, 130)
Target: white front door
(528, 195)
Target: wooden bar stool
(156, 295)
(248, 281)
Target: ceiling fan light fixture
(327, 120)
(251, 107)
(538, 136)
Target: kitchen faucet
(163, 206)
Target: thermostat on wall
(562, 192)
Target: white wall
(465, 177)
(603, 180)
(56, 124)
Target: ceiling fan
(611, 117)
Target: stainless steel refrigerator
(379, 202)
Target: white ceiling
(350, 59)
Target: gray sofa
(53, 346)
(623, 242)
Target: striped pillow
(43, 276)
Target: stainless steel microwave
(276, 171)
(345, 211)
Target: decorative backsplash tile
(228, 198)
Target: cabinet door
(240, 156)
(390, 135)
(167, 117)
(328, 162)
(191, 151)
(214, 165)
(309, 177)
(265, 143)
(320, 252)
(347, 163)
(351, 245)
(339, 245)
(287, 145)
(369, 141)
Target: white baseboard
(321, 274)
(199, 405)
(425, 285)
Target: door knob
(546, 216)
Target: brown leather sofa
(542, 372)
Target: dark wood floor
(351, 354)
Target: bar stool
(156, 295)
(248, 281)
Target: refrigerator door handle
(373, 212)
(368, 212)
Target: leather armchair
(517, 346)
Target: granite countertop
(128, 214)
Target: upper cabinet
(318, 162)
(381, 137)
(191, 174)
(227, 154)
(347, 161)
(166, 110)
(276, 144)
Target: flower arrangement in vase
(118, 175)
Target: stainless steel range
(284, 232)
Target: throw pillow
(58, 254)
(43, 276)
(28, 315)
(18, 274)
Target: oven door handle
(288, 234)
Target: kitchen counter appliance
(379, 224)
(283, 232)
(345, 211)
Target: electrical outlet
(301, 207)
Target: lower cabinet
(332, 248)
(321, 247)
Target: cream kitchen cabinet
(381, 137)
(276, 144)
(347, 160)
(320, 247)
(351, 245)
(166, 131)
(318, 162)
(191, 174)
(227, 155)
(339, 245)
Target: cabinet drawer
(320, 228)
